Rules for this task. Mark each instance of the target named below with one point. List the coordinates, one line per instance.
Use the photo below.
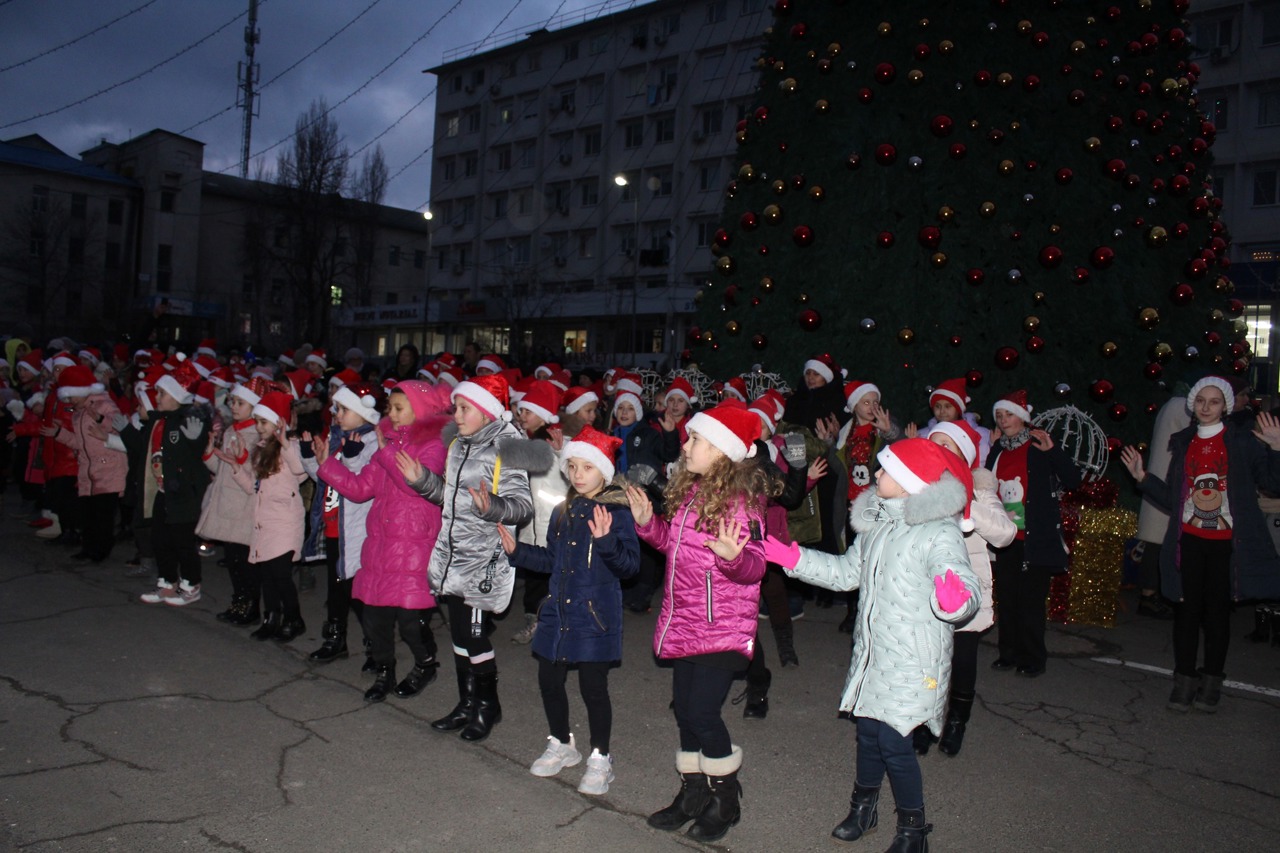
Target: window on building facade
(524, 202)
(393, 256)
(499, 206)
(455, 85)
(1221, 113)
(716, 11)
(1264, 187)
(571, 51)
(709, 176)
(1269, 108)
(558, 197)
(664, 129)
(1213, 32)
(633, 134)
(335, 295)
(586, 244)
(592, 142)
(533, 61)
(521, 251)
(1270, 14)
(506, 113)
(247, 287)
(470, 164)
(669, 25)
(502, 159)
(477, 77)
(166, 200)
(1257, 319)
(713, 65)
(568, 100)
(529, 107)
(633, 82)
(79, 205)
(448, 169)
(467, 211)
(452, 125)
(706, 233)
(111, 257)
(595, 91)
(39, 199)
(75, 251)
(712, 119)
(1219, 180)
(115, 211)
(660, 183)
(599, 44)
(419, 259)
(164, 267)
(473, 121)
(589, 192)
(527, 154)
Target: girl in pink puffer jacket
(707, 625)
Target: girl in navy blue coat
(591, 547)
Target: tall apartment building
(1238, 50)
(579, 174)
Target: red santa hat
(735, 387)
(610, 378)
(205, 391)
(630, 398)
(286, 358)
(578, 397)
(205, 365)
(389, 383)
(631, 383)
(63, 358)
(521, 387)
(317, 356)
(275, 407)
(561, 379)
(361, 398)
(769, 408)
(964, 435)
(825, 366)
(222, 377)
(546, 371)
(916, 463)
(92, 355)
(732, 429)
(1223, 385)
(263, 371)
(346, 376)
(299, 382)
(244, 392)
(512, 375)
(208, 347)
(543, 399)
(953, 391)
(448, 359)
(489, 394)
(593, 446)
(120, 352)
(78, 381)
(492, 363)
(1015, 403)
(178, 381)
(32, 362)
(855, 391)
(680, 387)
(452, 376)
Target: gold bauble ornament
(779, 66)
(1004, 79)
(772, 214)
(946, 46)
(1157, 236)
(1037, 298)
(1015, 126)
(747, 172)
(1030, 324)
(1162, 352)
(779, 187)
(923, 23)
(1148, 319)
(945, 213)
(833, 49)
(1223, 286)
(1169, 87)
(817, 193)
(1109, 349)
(741, 136)
(1144, 5)
(884, 28)
(788, 85)
(1093, 143)
(803, 298)
(813, 54)
(973, 124)
(914, 76)
(708, 336)
(1024, 27)
(987, 209)
(1239, 328)
(1005, 167)
(725, 265)
(733, 327)
(938, 260)
(1216, 316)
(766, 284)
(1055, 228)
(1078, 47)
(821, 106)
(906, 337)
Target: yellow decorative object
(1097, 562)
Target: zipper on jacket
(710, 615)
(671, 577)
(453, 509)
(591, 608)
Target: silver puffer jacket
(468, 560)
(901, 667)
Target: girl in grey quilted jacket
(910, 561)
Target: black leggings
(699, 691)
(964, 662)
(593, 682)
(174, 546)
(415, 629)
(338, 601)
(471, 648)
(98, 520)
(1021, 589)
(279, 595)
(1205, 565)
(245, 580)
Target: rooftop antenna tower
(247, 77)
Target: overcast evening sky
(51, 58)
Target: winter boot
(291, 629)
(461, 713)
(863, 814)
(758, 698)
(1262, 624)
(486, 713)
(912, 832)
(1208, 693)
(369, 665)
(957, 719)
(270, 626)
(1184, 690)
(248, 613)
(690, 801)
(922, 739)
(335, 643)
(524, 636)
(231, 612)
(422, 674)
(722, 811)
(783, 638)
(383, 682)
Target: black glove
(793, 452)
(352, 447)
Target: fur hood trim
(984, 479)
(943, 499)
(528, 454)
(614, 494)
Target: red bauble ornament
(722, 237)
(929, 236)
(1102, 257)
(1102, 390)
(803, 235)
(1114, 445)
(1030, 83)
(1007, 358)
(759, 341)
(1050, 257)
(1115, 168)
(982, 78)
(694, 334)
(1212, 338)
(885, 72)
(975, 276)
(922, 52)
(810, 320)
(941, 126)
(749, 221)
(799, 31)
(853, 161)
(957, 150)
(1196, 268)
(1035, 344)
(1118, 412)
(865, 95)
(973, 378)
(1063, 176)
(1080, 275)
(886, 154)
(1182, 294)
(731, 295)
(761, 114)
(955, 340)
(884, 239)
(1153, 371)
(1234, 307)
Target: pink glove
(951, 592)
(787, 556)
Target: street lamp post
(426, 295)
(621, 180)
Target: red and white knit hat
(222, 377)
(492, 363)
(631, 399)
(317, 356)
(62, 359)
(489, 394)
(205, 365)
(543, 400)
(630, 383)
(78, 381)
(963, 434)
(916, 463)
(1015, 403)
(205, 391)
(769, 406)
(275, 407)
(953, 391)
(346, 376)
(735, 387)
(1218, 382)
(360, 398)
(732, 429)
(300, 382)
(286, 358)
(178, 381)
(680, 387)
(855, 391)
(91, 355)
(591, 445)
(208, 347)
(825, 366)
(578, 397)
(546, 371)
(244, 393)
(561, 379)
(451, 376)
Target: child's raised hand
(787, 556)
(880, 416)
(732, 539)
(911, 430)
(1041, 439)
(1132, 460)
(600, 523)
(382, 437)
(556, 439)
(410, 468)
(480, 498)
(319, 447)
(818, 468)
(508, 541)
(950, 591)
(641, 506)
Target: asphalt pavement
(128, 727)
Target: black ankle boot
(248, 614)
(335, 643)
(369, 665)
(269, 628)
(690, 800)
(422, 674)
(291, 629)
(957, 720)
(784, 638)
(922, 739)
(461, 713)
(758, 698)
(722, 811)
(231, 612)
(384, 682)
(912, 833)
(863, 814)
(486, 712)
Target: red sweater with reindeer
(1206, 512)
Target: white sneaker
(53, 531)
(598, 776)
(525, 635)
(186, 594)
(557, 757)
(160, 595)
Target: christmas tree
(1013, 192)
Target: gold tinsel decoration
(1097, 562)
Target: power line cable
(79, 38)
(132, 79)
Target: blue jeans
(881, 749)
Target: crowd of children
(426, 493)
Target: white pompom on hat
(359, 399)
(1015, 403)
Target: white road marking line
(1146, 667)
